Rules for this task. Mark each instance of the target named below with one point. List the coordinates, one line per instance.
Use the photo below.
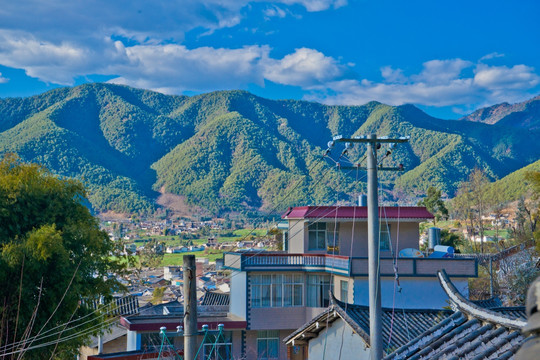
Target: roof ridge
(471, 309)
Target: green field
(178, 259)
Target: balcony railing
(279, 261)
(356, 266)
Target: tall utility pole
(190, 307)
(375, 310)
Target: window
(268, 345)
(332, 239)
(384, 243)
(318, 290)
(293, 289)
(344, 284)
(277, 290)
(317, 236)
(218, 348)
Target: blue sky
(448, 58)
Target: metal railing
(251, 261)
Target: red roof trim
(356, 212)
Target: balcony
(287, 262)
(356, 266)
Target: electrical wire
(10, 346)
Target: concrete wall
(338, 342)
(296, 237)
(416, 293)
(277, 318)
(238, 294)
(350, 288)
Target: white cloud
(493, 55)
(174, 68)
(274, 11)
(503, 77)
(140, 20)
(439, 83)
(3, 80)
(317, 5)
(305, 67)
(171, 66)
(441, 71)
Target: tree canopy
(434, 204)
(53, 259)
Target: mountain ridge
(232, 150)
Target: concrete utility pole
(190, 307)
(375, 310)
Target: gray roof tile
(471, 333)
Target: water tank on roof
(362, 200)
(434, 237)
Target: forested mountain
(231, 150)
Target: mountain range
(233, 151)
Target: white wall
(238, 294)
(416, 293)
(296, 237)
(133, 341)
(340, 338)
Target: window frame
(266, 336)
(276, 288)
(318, 288)
(386, 234)
(344, 290)
(317, 236)
(225, 343)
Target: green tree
(52, 256)
(473, 200)
(450, 239)
(434, 204)
(157, 295)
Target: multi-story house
(326, 249)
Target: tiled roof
(517, 312)
(356, 212)
(404, 325)
(212, 298)
(470, 333)
(490, 303)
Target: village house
(469, 331)
(326, 250)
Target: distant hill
(521, 115)
(234, 151)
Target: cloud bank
(140, 43)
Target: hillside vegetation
(233, 151)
